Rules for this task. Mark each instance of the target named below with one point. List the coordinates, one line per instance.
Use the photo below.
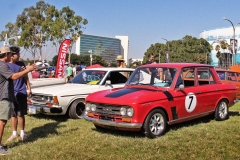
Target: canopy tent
(95, 66)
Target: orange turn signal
(49, 104)
(55, 100)
(127, 120)
(29, 102)
(90, 114)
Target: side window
(118, 77)
(238, 77)
(231, 76)
(221, 75)
(205, 76)
(188, 75)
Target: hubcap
(222, 110)
(156, 124)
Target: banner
(62, 58)
(235, 43)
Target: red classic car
(157, 95)
(230, 77)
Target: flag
(62, 58)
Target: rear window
(221, 75)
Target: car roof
(110, 69)
(225, 70)
(176, 65)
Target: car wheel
(221, 112)
(76, 109)
(155, 124)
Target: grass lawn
(57, 137)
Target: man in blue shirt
(20, 93)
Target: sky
(144, 21)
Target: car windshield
(160, 77)
(88, 77)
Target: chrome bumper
(44, 109)
(113, 124)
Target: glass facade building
(106, 47)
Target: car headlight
(130, 112)
(123, 111)
(93, 107)
(88, 106)
(49, 99)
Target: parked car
(70, 98)
(230, 77)
(150, 102)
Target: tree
(43, 23)
(187, 49)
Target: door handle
(217, 89)
(198, 92)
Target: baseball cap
(5, 49)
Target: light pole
(168, 49)
(6, 40)
(90, 51)
(234, 54)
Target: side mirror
(108, 82)
(181, 87)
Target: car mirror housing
(181, 87)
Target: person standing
(20, 92)
(7, 91)
(150, 61)
(69, 71)
(120, 62)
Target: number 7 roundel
(190, 102)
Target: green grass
(57, 137)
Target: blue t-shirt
(19, 84)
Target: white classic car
(70, 98)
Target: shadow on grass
(61, 118)
(234, 113)
(139, 134)
(43, 131)
(132, 134)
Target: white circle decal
(190, 102)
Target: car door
(188, 99)
(208, 89)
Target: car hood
(124, 96)
(70, 88)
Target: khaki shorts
(5, 109)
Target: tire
(76, 109)
(221, 112)
(155, 124)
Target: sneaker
(24, 137)
(4, 150)
(12, 137)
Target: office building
(106, 47)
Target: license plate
(32, 110)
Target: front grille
(108, 110)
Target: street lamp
(234, 54)
(90, 51)
(168, 49)
(6, 40)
